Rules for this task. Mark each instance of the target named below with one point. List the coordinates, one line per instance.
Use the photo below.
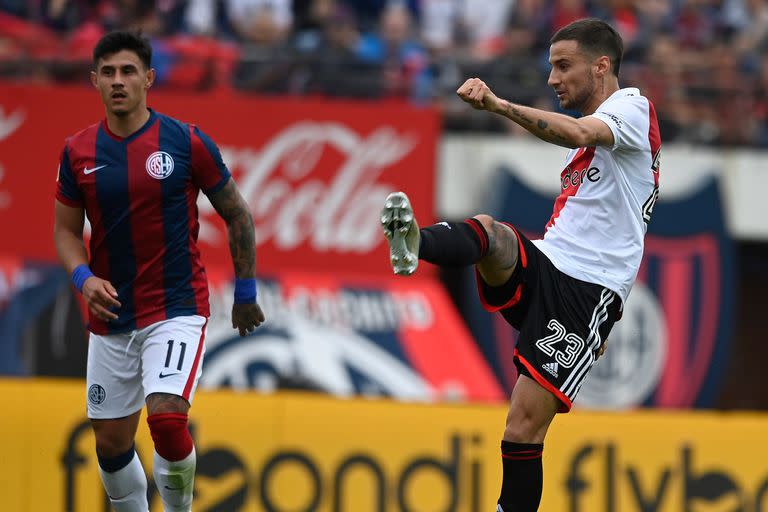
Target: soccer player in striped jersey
(564, 292)
(137, 175)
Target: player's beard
(582, 96)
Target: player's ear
(602, 66)
(94, 79)
(151, 75)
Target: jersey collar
(622, 93)
(145, 126)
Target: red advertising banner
(315, 172)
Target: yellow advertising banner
(304, 452)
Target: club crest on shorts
(159, 165)
(96, 394)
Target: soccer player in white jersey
(564, 292)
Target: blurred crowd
(703, 62)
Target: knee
(111, 443)
(499, 234)
(525, 426)
(170, 435)
(487, 221)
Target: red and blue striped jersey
(140, 196)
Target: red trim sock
(523, 477)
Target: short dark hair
(123, 40)
(596, 37)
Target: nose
(118, 79)
(553, 79)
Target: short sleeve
(67, 191)
(208, 170)
(627, 118)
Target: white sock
(175, 481)
(127, 487)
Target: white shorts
(123, 369)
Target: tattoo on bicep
(226, 202)
(542, 124)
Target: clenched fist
(476, 93)
(246, 318)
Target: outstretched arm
(549, 126)
(230, 205)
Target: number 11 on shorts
(169, 355)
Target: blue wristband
(80, 275)
(245, 291)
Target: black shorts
(562, 320)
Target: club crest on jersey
(159, 165)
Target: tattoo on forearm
(242, 241)
(540, 127)
(516, 114)
(242, 246)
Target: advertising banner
(399, 338)
(314, 172)
(374, 336)
(303, 453)
(670, 347)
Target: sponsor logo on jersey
(159, 165)
(574, 177)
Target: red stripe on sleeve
(654, 140)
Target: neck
(602, 92)
(126, 124)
